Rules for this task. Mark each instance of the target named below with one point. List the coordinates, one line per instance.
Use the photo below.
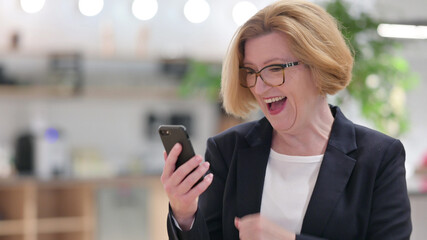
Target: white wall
(116, 129)
(60, 27)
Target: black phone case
(172, 134)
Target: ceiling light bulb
(196, 11)
(32, 6)
(91, 7)
(144, 9)
(242, 11)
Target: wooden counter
(33, 209)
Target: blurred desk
(82, 209)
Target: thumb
(165, 155)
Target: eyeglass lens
(273, 76)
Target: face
(291, 106)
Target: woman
(302, 172)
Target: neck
(309, 139)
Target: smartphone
(172, 134)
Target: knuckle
(188, 166)
(194, 162)
(163, 178)
(167, 188)
(201, 187)
(182, 171)
(195, 176)
(204, 167)
(171, 158)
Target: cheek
(302, 85)
(258, 98)
(252, 92)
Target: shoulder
(369, 147)
(380, 151)
(349, 136)
(367, 138)
(365, 134)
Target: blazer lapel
(251, 166)
(335, 171)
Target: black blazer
(360, 192)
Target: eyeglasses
(272, 75)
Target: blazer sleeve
(390, 216)
(391, 213)
(208, 221)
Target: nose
(260, 86)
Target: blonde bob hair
(314, 38)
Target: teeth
(275, 99)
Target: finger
(248, 220)
(245, 227)
(251, 217)
(163, 177)
(181, 173)
(201, 187)
(236, 222)
(192, 178)
(171, 159)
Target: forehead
(267, 48)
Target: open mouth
(276, 104)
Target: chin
(280, 122)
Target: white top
(288, 185)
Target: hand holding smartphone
(172, 134)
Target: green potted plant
(380, 77)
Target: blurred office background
(85, 84)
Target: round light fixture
(32, 6)
(196, 11)
(91, 7)
(144, 9)
(242, 11)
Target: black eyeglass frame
(258, 74)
